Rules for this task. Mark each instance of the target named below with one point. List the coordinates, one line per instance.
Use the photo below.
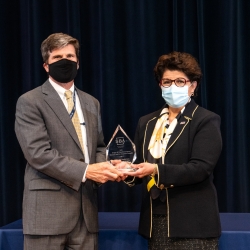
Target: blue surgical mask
(174, 96)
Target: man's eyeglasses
(179, 82)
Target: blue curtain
(120, 44)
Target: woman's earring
(192, 94)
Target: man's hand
(123, 166)
(103, 172)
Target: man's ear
(46, 67)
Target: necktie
(75, 118)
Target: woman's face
(174, 74)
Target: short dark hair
(179, 61)
(57, 41)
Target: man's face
(67, 52)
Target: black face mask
(63, 71)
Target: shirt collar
(59, 89)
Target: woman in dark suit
(177, 149)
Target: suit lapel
(148, 133)
(88, 121)
(183, 121)
(54, 101)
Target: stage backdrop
(120, 44)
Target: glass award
(120, 147)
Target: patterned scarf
(161, 135)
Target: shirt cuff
(84, 178)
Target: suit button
(161, 186)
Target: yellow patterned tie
(75, 118)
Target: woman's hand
(122, 167)
(143, 169)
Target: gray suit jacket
(53, 190)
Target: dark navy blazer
(187, 175)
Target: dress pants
(78, 239)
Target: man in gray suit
(61, 136)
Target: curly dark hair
(180, 61)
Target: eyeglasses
(179, 82)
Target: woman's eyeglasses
(179, 82)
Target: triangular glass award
(120, 147)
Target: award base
(128, 169)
